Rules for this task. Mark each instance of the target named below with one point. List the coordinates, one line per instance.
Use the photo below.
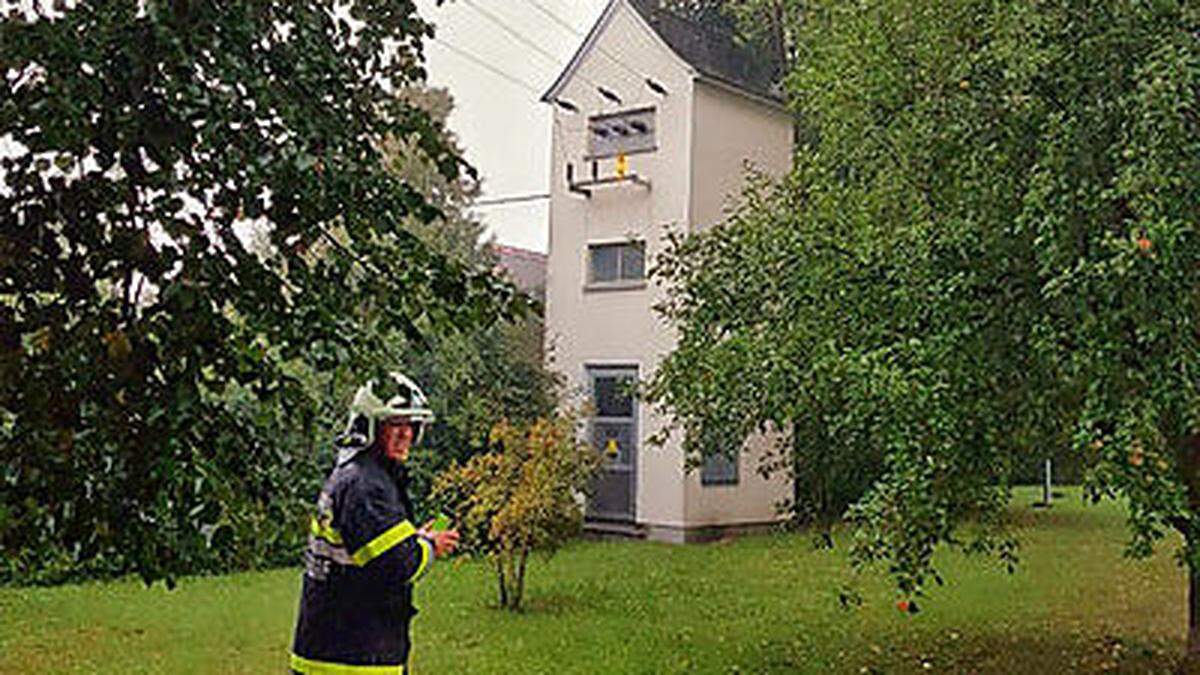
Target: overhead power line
(517, 35)
(538, 49)
(488, 66)
(510, 200)
(568, 26)
(512, 79)
(554, 17)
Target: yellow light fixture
(622, 165)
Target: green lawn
(753, 605)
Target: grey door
(613, 433)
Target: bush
(524, 496)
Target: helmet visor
(417, 425)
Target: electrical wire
(496, 201)
(559, 127)
(517, 35)
(516, 199)
(538, 49)
(567, 25)
(488, 66)
(512, 79)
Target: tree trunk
(1190, 664)
(520, 580)
(797, 487)
(1188, 466)
(500, 581)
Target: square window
(614, 440)
(719, 470)
(616, 262)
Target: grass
(753, 605)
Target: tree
(524, 496)
(477, 375)
(146, 145)
(454, 233)
(987, 249)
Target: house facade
(655, 122)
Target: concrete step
(613, 528)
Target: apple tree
(987, 249)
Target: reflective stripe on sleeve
(426, 558)
(384, 542)
(311, 667)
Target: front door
(613, 431)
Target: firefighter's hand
(444, 541)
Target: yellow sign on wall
(622, 165)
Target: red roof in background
(526, 269)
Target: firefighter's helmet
(395, 396)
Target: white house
(655, 118)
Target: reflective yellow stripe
(426, 558)
(325, 531)
(310, 667)
(381, 544)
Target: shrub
(525, 495)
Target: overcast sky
(499, 121)
(501, 125)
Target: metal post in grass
(1046, 492)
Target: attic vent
(627, 132)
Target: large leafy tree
(987, 250)
(195, 213)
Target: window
(719, 470)
(621, 133)
(611, 393)
(716, 468)
(614, 263)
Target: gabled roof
(711, 53)
(714, 53)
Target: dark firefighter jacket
(363, 556)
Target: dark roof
(713, 52)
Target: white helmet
(398, 396)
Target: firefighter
(364, 554)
